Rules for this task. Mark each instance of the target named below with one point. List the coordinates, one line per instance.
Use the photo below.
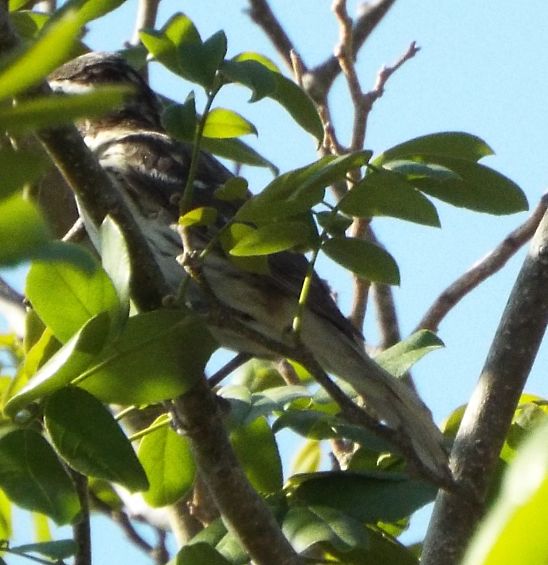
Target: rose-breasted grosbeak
(150, 169)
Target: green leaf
(368, 497)
(451, 144)
(93, 9)
(334, 224)
(363, 258)
(16, 4)
(399, 358)
(230, 237)
(251, 73)
(199, 554)
(51, 49)
(55, 550)
(479, 188)
(167, 459)
(258, 454)
(54, 109)
(18, 169)
(28, 24)
(263, 78)
(235, 188)
(116, 262)
(305, 527)
(65, 365)
(298, 190)
(161, 48)
(514, 529)
(158, 355)
(271, 238)
(299, 105)
(204, 216)
(199, 62)
(384, 193)
(22, 230)
(33, 478)
(86, 435)
(222, 123)
(66, 294)
(180, 120)
(308, 458)
(236, 150)
(413, 170)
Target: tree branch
(320, 79)
(147, 12)
(489, 413)
(196, 414)
(12, 307)
(483, 269)
(261, 13)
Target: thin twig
(483, 269)
(320, 79)
(490, 410)
(261, 13)
(81, 529)
(236, 362)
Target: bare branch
(81, 529)
(147, 12)
(261, 13)
(321, 78)
(491, 407)
(387, 317)
(483, 269)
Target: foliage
(91, 348)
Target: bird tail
(394, 403)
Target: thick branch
(483, 269)
(243, 510)
(491, 408)
(147, 12)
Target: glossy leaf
(33, 478)
(299, 105)
(161, 48)
(252, 74)
(45, 111)
(55, 550)
(481, 189)
(65, 365)
(264, 79)
(204, 216)
(451, 144)
(86, 435)
(384, 193)
(297, 191)
(167, 459)
(116, 263)
(308, 458)
(199, 62)
(199, 554)
(399, 358)
(413, 170)
(306, 526)
(18, 168)
(271, 238)
(514, 529)
(66, 294)
(157, 356)
(23, 232)
(363, 258)
(32, 66)
(180, 120)
(222, 123)
(235, 188)
(93, 9)
(368, 497)
(230, 238)
(258, 454)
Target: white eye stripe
(70, 87)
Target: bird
(149, 169)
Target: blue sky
(481, 69)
